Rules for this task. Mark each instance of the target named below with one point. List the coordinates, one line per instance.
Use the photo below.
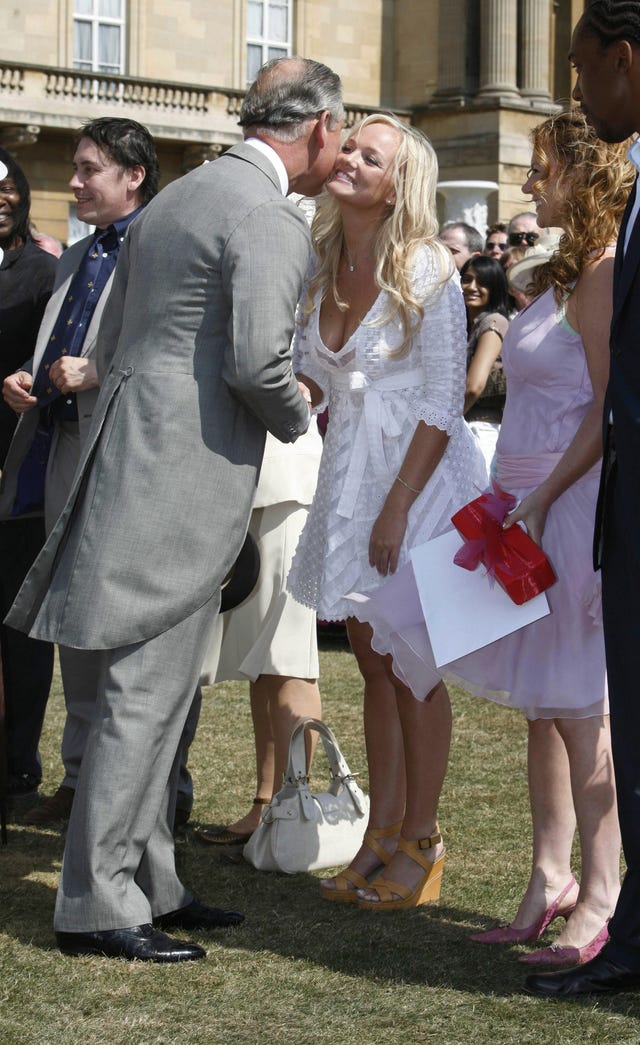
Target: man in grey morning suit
(194, 365)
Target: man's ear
(624, 55)
(321, 128)
(136, 176)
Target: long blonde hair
(595, 178)
(411, 223)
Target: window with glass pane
(268, 32)
(98, 35)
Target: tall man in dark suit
(605, 52)
(194, 364)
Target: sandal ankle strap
(372, 836)
(428, 843)
(385, 832)
(414, 847)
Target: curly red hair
(595, 181)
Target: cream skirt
(269, 633)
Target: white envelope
(462, 610)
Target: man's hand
(15, 392)
(73, 374)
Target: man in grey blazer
(194, 366)
(115, 173)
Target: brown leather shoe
(53, 810)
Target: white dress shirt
(633, 154)
(272, 156)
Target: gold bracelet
(412, 488)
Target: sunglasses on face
(500, 246)
(518, 238)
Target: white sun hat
(520, 274)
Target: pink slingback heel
(507, 934)
(558, 955)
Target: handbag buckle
(300, 778)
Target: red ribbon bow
(488, 548)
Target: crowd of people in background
(449, 358)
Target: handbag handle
(297, 767)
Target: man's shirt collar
(633, 153)
(272, 156)
(122, 224)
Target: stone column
(498, 49)
(452, 57)
(535, 49)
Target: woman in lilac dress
(557, 363)
(556, 358)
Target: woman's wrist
(409, 486)
(544, 495)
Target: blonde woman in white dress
(382, 340)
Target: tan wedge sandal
(348, 881)
(393, 896)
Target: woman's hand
(305, 393)
(386, 539)
(309, 390)
(532, 511)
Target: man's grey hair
(475, 242)
(522, 214)
(286, 94)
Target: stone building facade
(475, 75)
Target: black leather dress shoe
(197, 915)
(599, 976)
(141, 942)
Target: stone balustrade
(48, 97)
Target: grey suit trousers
(119, 863)
(81, 669)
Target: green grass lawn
(301, 970)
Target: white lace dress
(375, 403)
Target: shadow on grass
(430, 945)
(286, 917)
(26, 900)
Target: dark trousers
(27, 664)
(621, 608)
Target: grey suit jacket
(194, 364)
(26, 427)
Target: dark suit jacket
(28, 423)
(622, 443)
